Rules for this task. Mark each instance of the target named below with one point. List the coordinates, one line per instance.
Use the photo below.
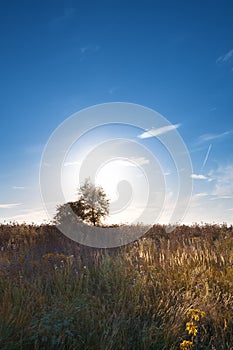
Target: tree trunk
(93, 216)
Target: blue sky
(58, 57)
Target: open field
(56, 294)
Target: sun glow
(126, 187)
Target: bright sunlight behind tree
(91, 206)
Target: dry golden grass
(56, 294)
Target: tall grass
(56, 294)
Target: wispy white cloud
(226, 57)
(223, 178)
(87, 50)
(19, 187)
(203, 209)
(211, 201)
(210, 137)
(9, 205)
(140, 160)
(207, 156)
(134, 161)
(75, 163)
(159, 131)
(200, 195)
(198, 177)
(214, 198)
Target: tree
(94, 201)
(91, 206)
(65, 212)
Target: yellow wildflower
(195, 314)
(186, 345)
(191, 328)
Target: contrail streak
(207, 156)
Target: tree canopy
(91, 206)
